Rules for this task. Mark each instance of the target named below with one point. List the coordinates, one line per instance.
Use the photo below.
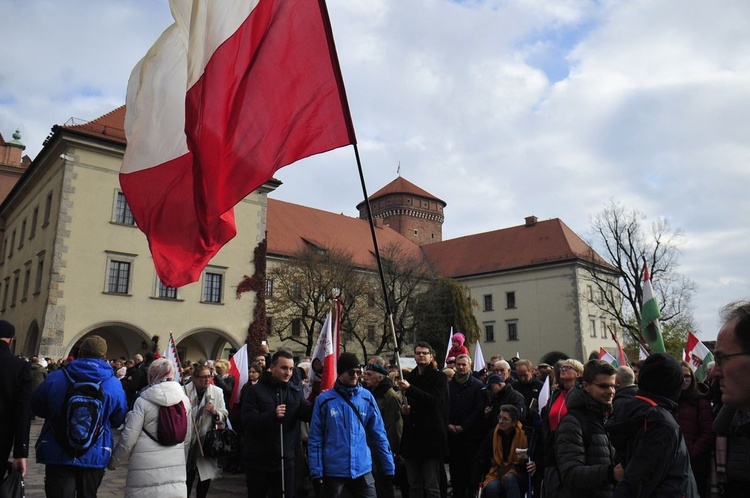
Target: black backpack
(171, 425)
(79, 424)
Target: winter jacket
(424, 435)
(622, 397)
(38, 374)
(337, 439)
(529, 390)
(584, 455)
(390, 409)
(650, 445)
(696, 420)
(261, 438)
(734, 424)
(48, 400)
(507, 396)
(15, 393)
(467, 406)
(153, 470)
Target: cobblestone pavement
(113, 484)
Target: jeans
(63, 481)
(361, 487)
(508, 486)
(424, 478)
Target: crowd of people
(511, 429)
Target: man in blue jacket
(65, 474)
(343, 419)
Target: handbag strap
(349, 402)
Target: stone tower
(408, 209)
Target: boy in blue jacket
(343, 419)
(67, 475)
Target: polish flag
(238, 366)
(324, 351)
(170, 353)
(228, 94)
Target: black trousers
(260, 483)
(201, 489)
(64, 481)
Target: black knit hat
(377, 367)
(347, 361)
(7, 330)
(661, 374)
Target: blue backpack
(79, 424)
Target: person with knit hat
(648, 440)
(15, 392)
(344, 419)
(67, 475)
(457, 346)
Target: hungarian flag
(327, 347)
(170, 353)
(699, 356)
(230, 93)
(604, 355)
(621, 358)
(650, 316)
(238, 366)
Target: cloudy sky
(503, 109)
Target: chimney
(530, 220)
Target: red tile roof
(403, 186)
(110, 126)
(291, 226)
(521, 246)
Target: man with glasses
(344, 419)
(732, 357)
(424, 445)
(647, 438)
(584, 455)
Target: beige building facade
(73, 262)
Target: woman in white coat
(208, 406)
(154, 470)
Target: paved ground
(113, 484)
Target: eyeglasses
(567, 367)
(354, 372)
(721, 358)
(421, 353)
(605, 386)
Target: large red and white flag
(327, 347)
(230, 93)
(170, 353)
(238, 366)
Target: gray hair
(161, 370)
(625, 376)
(468, 358)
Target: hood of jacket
(90, 369)
(166, 393)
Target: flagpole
(388, 311)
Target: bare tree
(627, 242)
(301, 289)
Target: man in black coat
(424, 445)
(464, 424)
(647, 437)
(272, 403)
(15, 394)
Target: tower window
(416, 232)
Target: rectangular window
(212, 283)
(601, 296)
(269, 287)
(47, 210)
(510, 300)
(371, 333)
(269, 325)
(592, 332)
(296, 327)
(512, 331)
(591, 293)
(5, 293)
(119, 277)
(166, 292)
(39, 275)
(370, 300)
(489, 333)
(26, 281)
(34, 220)
(16, 278)
(296, 291)
(5, 250)
(123, 215)
(605, 332)
(488, 302)
(23, 234)
(12, 244)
